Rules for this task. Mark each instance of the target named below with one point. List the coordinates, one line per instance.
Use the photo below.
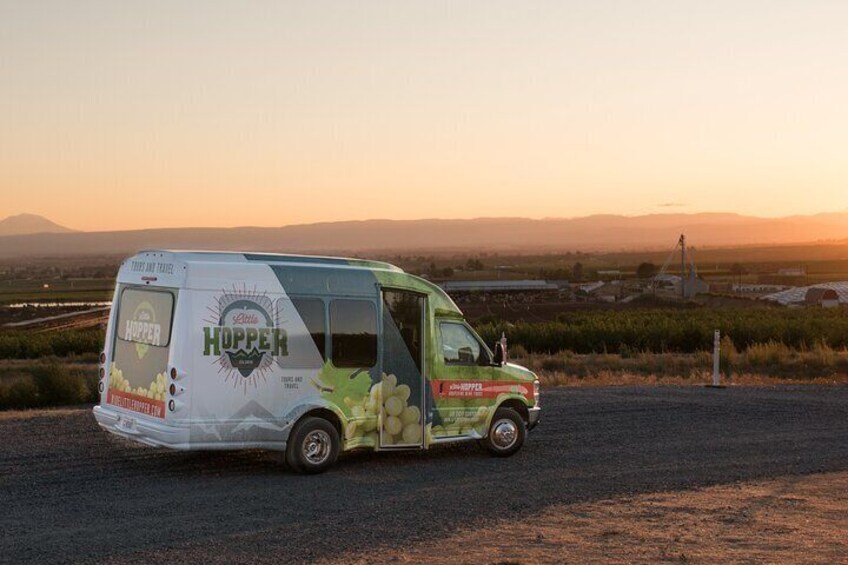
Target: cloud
(671, 205)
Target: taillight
(175, 389)
(101, 372)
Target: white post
(716, 358)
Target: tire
(506, 433)
(313, 446)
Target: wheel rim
(504, 434)
(316, 447)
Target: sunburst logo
(243, 336)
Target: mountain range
(590, 233)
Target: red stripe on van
(480, 389)
(136, 403)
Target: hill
(25, 224)
(592, 233)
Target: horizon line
(435, 219)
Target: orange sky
(118, 116)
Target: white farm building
(823, 294)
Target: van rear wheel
(313, 446)
(506, 433)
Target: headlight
(537, 389)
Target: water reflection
(57, 304)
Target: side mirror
(499, 354)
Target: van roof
(158, 266)
(275, 258)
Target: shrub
(552, 364)
(820, 356)
(767, 354)
(21, 393)
(56, 384)
(31, 345)
(658, 330)
(48, 385)
(517, 351)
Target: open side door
(402, 361)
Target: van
(306, 355)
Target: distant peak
(26, 224)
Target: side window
(353, 324)
(460, 346)
(311, 311)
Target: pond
(57, 305)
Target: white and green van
(307, 355)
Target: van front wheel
(313, 446)
(506, 433)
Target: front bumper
(533, 418)
(141, 429)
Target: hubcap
(504, 434)
(316, 447)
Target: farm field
(627, 332)
(821, 262)
(92, 277)
(583, 348)
(686, 330)
(57, 290)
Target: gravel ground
(71, 492)
(792, 519)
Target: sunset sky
(120, 115)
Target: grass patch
(54, 383)
(84, 343)
(59, 290)
(758, 363)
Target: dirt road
(71, 492)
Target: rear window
(144, 317)
(138, 373)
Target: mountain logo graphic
(245, 362)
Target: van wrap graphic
(444, 415)
(480, 389)
(138, 372)
(244, 336)
(143, 329)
